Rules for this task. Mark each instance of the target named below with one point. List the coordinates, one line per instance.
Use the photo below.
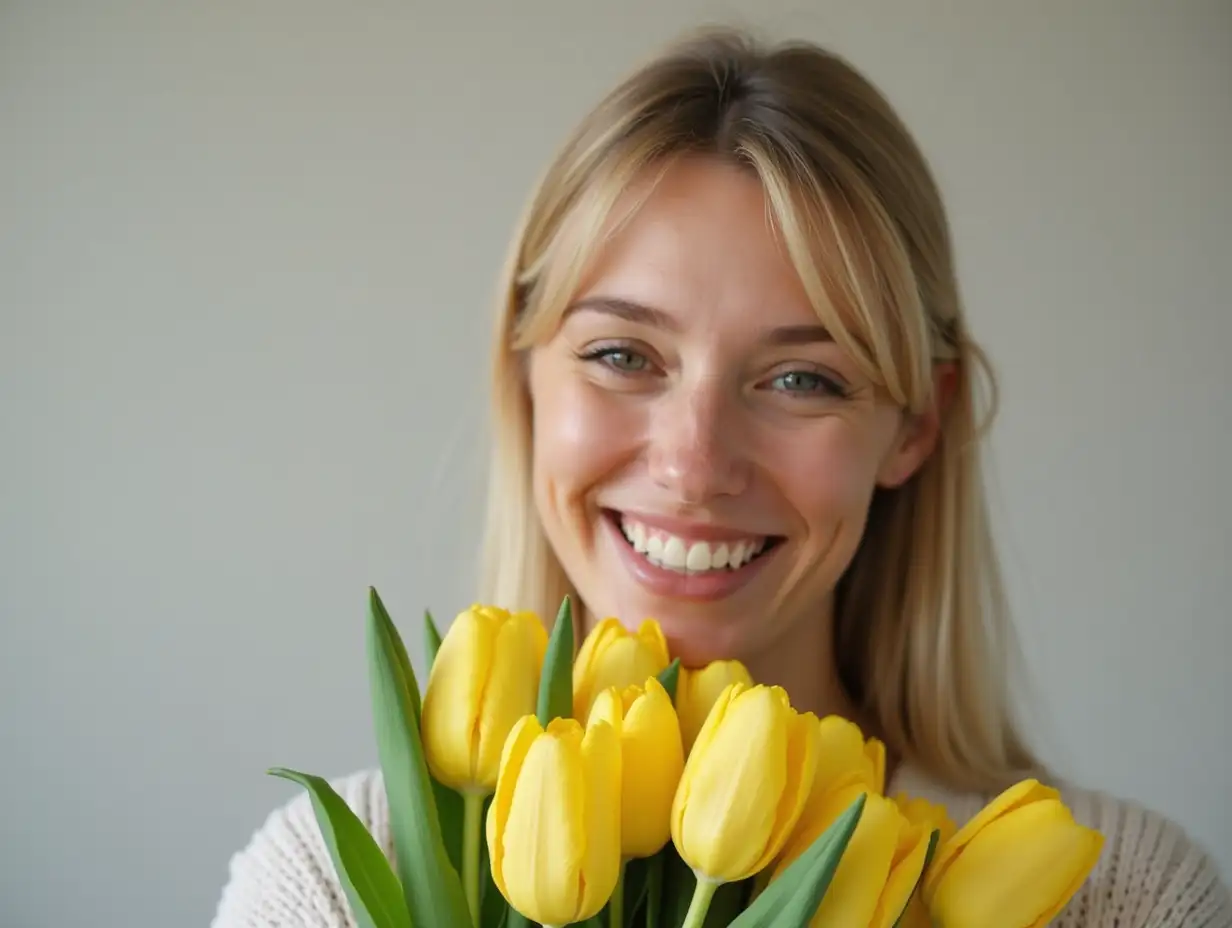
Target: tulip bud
(485, 677)
(931, 817)
(1015, 864)
(611, 655)
(553, 828)
(651, 760)
(879, 869)
(843, 754)
(697, 690)
(744, 783)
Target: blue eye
(621, 360)
(808, 383)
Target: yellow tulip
(931, 817)
(881, 866)
(846, 754)
(744, 783)
(553, 827)
(1014, 865)
(485, 677)
(697, 690)
(611, 655)
(651, 759)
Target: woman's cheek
(583, 432)
(829, 479)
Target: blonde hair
(921, 623)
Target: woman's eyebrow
(633, 311)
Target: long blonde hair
(921, 623)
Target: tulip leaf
(556, 680)
(430, 883)
(493, 908)
(791, 901)
(450, 811)
(369, 882)
(432, 639)
(669, 676)
(928, 859)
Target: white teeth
(699, 557)
(675, 553)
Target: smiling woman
(734, 391)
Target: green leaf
(556, 681)
(430, 883)
(450, 812)
(493, 909)
(669, 677)
(363, 870)
(928, 859)
(432, 639)
(791, 901)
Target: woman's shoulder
(284, 874)
(1152, 873)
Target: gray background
(247, 252)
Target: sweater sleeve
(285, 878)
(1150, 875)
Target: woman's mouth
(684, 564)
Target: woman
(735, 391)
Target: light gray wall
(246, 254)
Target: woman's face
(704, 454)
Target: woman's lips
(674, 567)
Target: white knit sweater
(1150, 875)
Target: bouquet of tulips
(612, 787)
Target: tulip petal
(910, 857)
(508, 692)
(513, 756)
(864, 869)
(1019, 870)
(693, 763)
(612, 656)
(843, 752)
(544, 839)
(698, 690)
(601, 772)
(802, 755)
(452, 698)
(1021, 793)
(652, 758)
(651, 635)
(736, 787)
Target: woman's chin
(698, 643)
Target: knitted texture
(1149, 876)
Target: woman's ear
(919, 433)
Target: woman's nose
(695, 446)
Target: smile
(695, 556)
(679, 560)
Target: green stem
(472, 819)
(700, 905)
(616, 905)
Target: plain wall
(247, 254)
